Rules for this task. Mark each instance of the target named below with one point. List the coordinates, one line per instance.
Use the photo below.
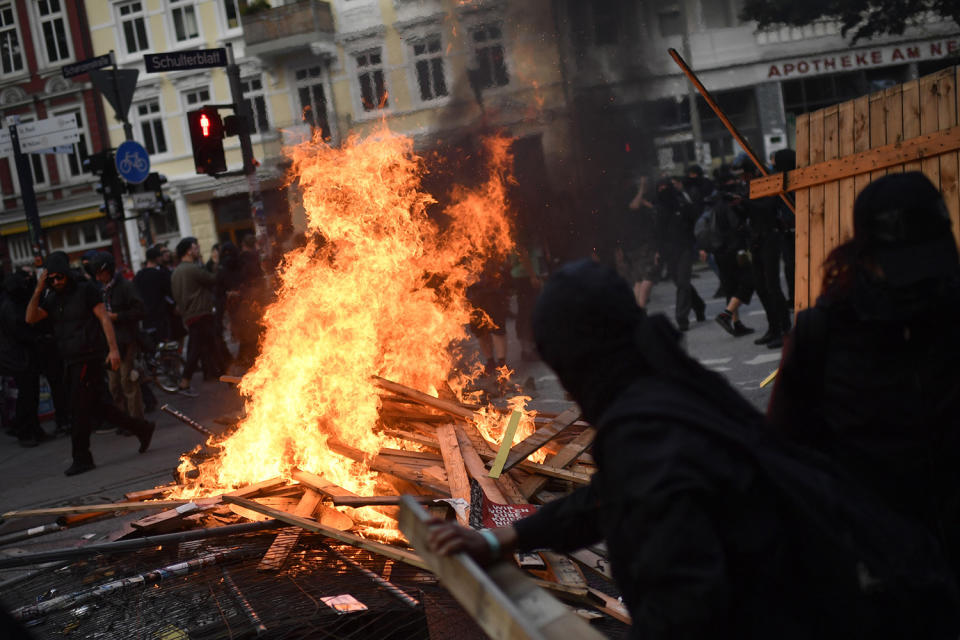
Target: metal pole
(694, 111)
(120, 249)
(724, 119)
(246, 150)
(28, 196)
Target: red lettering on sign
(951, 46)
(803, 67)
(829, 63)
(936, 49)
(773, 71)
(845, 61)
(876, 57)
(861, 58)
(897, 54)
(913, 52)
(788, 68)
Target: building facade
(37, 38)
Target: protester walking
(84, 336)
(20, 357)
(194, 290)
(676, 216)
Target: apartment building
(37, 38)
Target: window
(428, 61)
(231, 11)
(313, 100)
(74, 159)
(151, 127)
(184, 16)
(491, 68)
(196, 98)
(11, 57)
(373, 88)
(133, 27)
(671, 22)
(54, 31)
(256, 102)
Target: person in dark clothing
(19, 356)
(869, 374)
(676, 216)
(765, 243)
(153, 285)
(81, 324)
(237, 295)
(194, 291)
(786, 160)
(125, 310)
(714, 528)
(633, 235)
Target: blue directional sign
(133, 162)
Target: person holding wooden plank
(714, 529)
(870, 374)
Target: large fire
(379, 290)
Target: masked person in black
(19, 356)
(80, 323)
(676, 216)
(869, 375)
(714, 528)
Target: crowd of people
(836, 514)
(83, 328)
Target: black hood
(584, 324)
(58, 262)
(19, 285)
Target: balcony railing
(291, 22)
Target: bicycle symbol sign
(133, 162)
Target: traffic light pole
(246, 150)
(28, 196)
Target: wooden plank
(110, 506)
(930, 123)
(279, 550)
(947, 116)
(861, 141)
(385, 550)
(541, 436)
(370, 501)
(509, 432)
(816, 208)
(453, 408)
(382, 465)
(593, 561)
(871, 160)
(257, 488)
(319, 484)
(564, 457)
(878, 127)
(505, 483)
(149, 494)
(893, 108)
(503, 600)
(802, 249)
(846, 187)
(910, 110)
(475, 467)
(831, 190)
(563, 570)
(456, 470)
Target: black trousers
(765, 252)
(89, 401)
(202, 347)
(680, 266)
(735, 278)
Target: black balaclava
(584, 325)
(59, 262)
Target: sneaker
(776, 342)
(725, 320)
(765, 338)
(146, 435)
(102, 429)
(187, 391)
(79, 467)
(740, 329)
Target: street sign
(133, 162)
(39, 135)
(176, 61)
(85, 66)
(143, 200)
(117, 86)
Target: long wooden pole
(687, 71)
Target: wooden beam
(889, 155)
(564, 457)
(277, 554)
(258, 487)
(541, 436)
(385, 550)
(504, 601)
(369, 501)
(474, 466)
(505, 483)
(383, 465)
(110, 506)
(453, 408)
(456, 470)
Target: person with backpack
(869, 375)
(714, 528)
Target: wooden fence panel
(947, 109)
(893, 108)
(911, 117)
(816, 207)
(845, 122)
(802, 275)
(930, 122)
(831, 190)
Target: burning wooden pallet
(442, 463)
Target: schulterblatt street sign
(178, 60)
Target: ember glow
(377, 291)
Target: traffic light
(206, 133)
(111, 187)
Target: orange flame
(379, 290)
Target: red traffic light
(205, 125)
(206, 133)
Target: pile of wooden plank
(442, 463)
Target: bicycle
(162, 366)
(133, 161)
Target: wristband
(492, 543)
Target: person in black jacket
(19, 356)
(676, 216)
(870, 375)
(84, 334)
(714, 529)
(125, 310)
